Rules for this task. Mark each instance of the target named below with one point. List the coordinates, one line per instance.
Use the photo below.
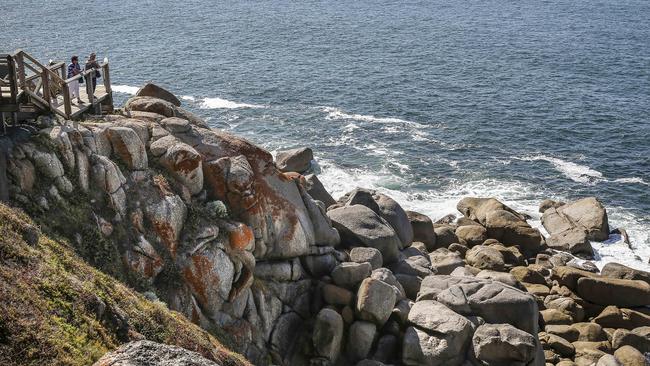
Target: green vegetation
(57, 310)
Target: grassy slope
(48, 306)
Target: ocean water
(428, 101)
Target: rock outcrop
(246, 245)
(152, 353)
(586, 215)
(295, 160)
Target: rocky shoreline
(255, 250)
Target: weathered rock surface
(616, 270)
(444, 261)
(422, 229)
(360, 339)
(547, 203)
(375, 301)
(574, 241)
(438, 336)
(369, 255)
(587, 214)
(629, 356)
(472, 234)
(609, 291)
(485, 257)
(141, 353)
(155, 91)
(360, 226)
(502, 223)
(445, 236)
(614, 317)
(317, 191)
(484, 298)
(295, 160)
(503, 344)
(395, 215)
(350, 274)
(639, 338)
(328, 334)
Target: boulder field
(257, 252)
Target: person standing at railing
(92, 63)
(73, 70)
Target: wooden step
(29, 108)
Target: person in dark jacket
(93, 64)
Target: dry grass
(51, 301)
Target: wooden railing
(44, 84)
(8, 87)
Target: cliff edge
(262, 258)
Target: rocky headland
(119, 224)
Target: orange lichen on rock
(197, 275)
(163, 185)
(186, 162)
(241, 237)
(293, 176)
(166, 234)
(148, 267)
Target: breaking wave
(220, 103)
(575, 172)
(336, 114)
(125, 89)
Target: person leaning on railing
(73, 70)
(91, 63)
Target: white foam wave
(615, 249)
(125, 89)
(220, 103)
(523, 197)
(633, 180)
(350, 127)
(419, 135)
(435, 204)
(336, 114)
(188, 98)
(576, 172)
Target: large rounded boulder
(437, 335)
(360, 226)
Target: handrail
(79, 76)
(55, 77)
(42, 85)
(24, 54)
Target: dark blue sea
(428, 101)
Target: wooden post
(2, 122)
(67, 103)
(20, 66)
(89, 88)
(107, 86)
(107, 79)
(12, 80)
(45, 80)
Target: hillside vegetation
(58, 310)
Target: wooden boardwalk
(30, 87)
(87, 106)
